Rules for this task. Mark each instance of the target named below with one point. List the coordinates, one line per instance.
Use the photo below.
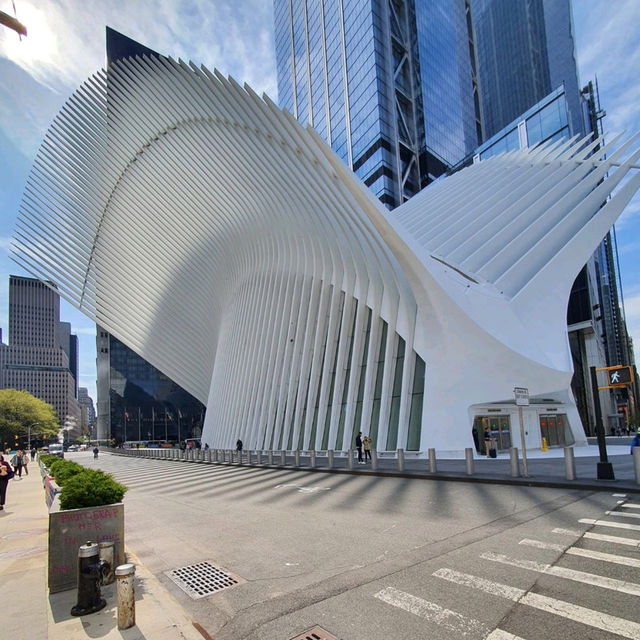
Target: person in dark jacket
(239, 445)
(359, 447)
(6, 473)
(636, 441)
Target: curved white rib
(232, 249)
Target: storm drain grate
(202, 579)
(315, 633)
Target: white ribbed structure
(228, 246)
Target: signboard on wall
(522, 396)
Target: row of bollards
(96, 569)
(240, 457)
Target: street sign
(522, 396)
(619, 376)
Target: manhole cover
(316, 633)
(202, 579)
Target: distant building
(136, 401)
(88, 416)
(34, 359)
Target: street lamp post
(29, 434)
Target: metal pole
(569, 464)
(312, 458)
(330, 459)
(605, 468)
(468, 454)
(515, 467)
(525, 469)
(126, 596)
(400, 460)
(283, 458)
(432, 461)
(296, 455)
(139, 426)
(269, 456)
(374, 460)
(258, 456)
(350, 459)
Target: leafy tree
(18, 410)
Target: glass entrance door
(500, 428)
(552, 427)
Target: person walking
(33, 454)
(25, 463)
(487, 442)
(636, 441)
(95, 452)
(16, 461)
(6, 473)
(359, 447)
(239, 445)
(366, 444)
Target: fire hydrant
(91, 571)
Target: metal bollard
(269, 457)
(125, 574)
(258, 456)
(90, 573)
(240, 456)
(636, 463)
(312, 458)
(350, 459)
(515, 465)
(570, 464)
(374, 460)
(432, 461)
(400, 460)
(106, 552)
(296, 457)
(330, 459)
(283, 458)
(468, 456)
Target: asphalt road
(384, 558)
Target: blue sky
(66, 44)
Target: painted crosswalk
(593, 546)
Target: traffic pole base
(605, 471)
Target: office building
(88, 412)
(34, 360)
(260, 274)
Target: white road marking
(606, 557)
(539, 544)
(622, 514)
(432, 612)
(499, 634)
(595, 619)
(619, 495)
(566, 532)
(302, 489)
(630, 505)
(570, 574)
(492, 588)
(613, 539)
(612, 524)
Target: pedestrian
(25, 463)
(239, 445)
(206, 446)
(6, 473)
(636, 441)
(95, 453)
(487, 442)
(33, 454)
(16, 461)
(359, 447)
(366, 444)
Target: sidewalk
(29, 612)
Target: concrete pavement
(29, 612)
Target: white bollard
(125, 575)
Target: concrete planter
(70, 529)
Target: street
(384, 558)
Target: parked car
(56, 450)
(74, 447)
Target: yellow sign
(617, 377)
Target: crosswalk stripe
(431, 611)
(570, 574)
(622, 514)
(539, 544)
(566, 532)
(630, 505)
(499, 634)
(613, 539)
(595, 619)
(475, 582)
(606, 557)
(611, 523)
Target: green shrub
(47, 460)
(62, 470)
(90, 488)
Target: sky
(66, 44)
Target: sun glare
(39, 46)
